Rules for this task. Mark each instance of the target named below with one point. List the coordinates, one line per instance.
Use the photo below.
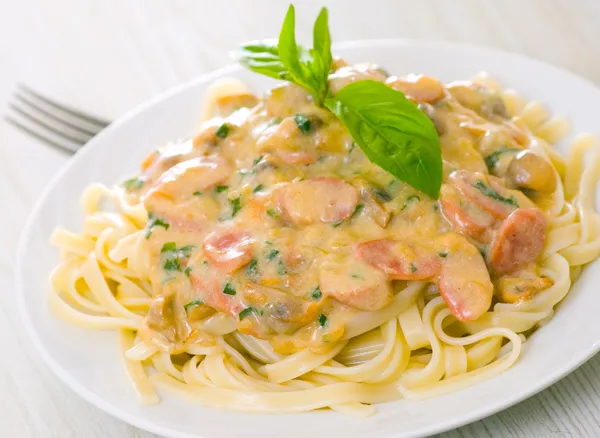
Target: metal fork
(52, 123)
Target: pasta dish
(275, 263)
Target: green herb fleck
(221, 189)
(272, 254)
(382, 195)
(169, 246)
(252, 268)
(322, 320)
(316, 293)
(197, 193)
(410, 200)
(273, 213)
(492, 159)
(154, 221)
(246, 312)
(257, 160)
(491, 193)
(222, 131)
(303, 123)
(357, 276)
(258, 188)
(351, 148)
(228, 289)
(133, 184)
(193, 303)
(187, 271)
(357, 211)
(281, 269)
(413, 268)
(172, 265)
(236, 205)
(443, 254)
(173, 257)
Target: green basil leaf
(392, 132)
(262, 57)
(304, 67)
(288, 49)
(322, 48)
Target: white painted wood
(108, 56)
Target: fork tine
(90, 119)
(81, 139)
(83, 130)
(62, 147)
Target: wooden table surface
(108, 56)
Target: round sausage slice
(187, 177)
(465, 217)
(519, 241)
(464, 281)
(229, 250)
(354, 283)
(491, 197)
(316, 200)
(400, 261)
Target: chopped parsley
(410, 200)
(236, 205)
(491, 193)
(281, 269)
(173, 256)
(382, 195)
(133, 184)
(271, 212)
(443, 254)
(272, 254)
(257, 160)
(246, 312)
(492, 159)
(222, 131)
(252, 170)
(221, 189)
(351, 148)
(413, 268)
(228, 289)
(252, 268)
(193, 303)
(355, 213)
(197, 193)
(303, 123)
(316, 293)
(322, 320)
(187, 271)
(258, 188)
(154, 221)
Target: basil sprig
(392, 132)
(390, 129)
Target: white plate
(88, 361)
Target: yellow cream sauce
(274, 216)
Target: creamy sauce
(273, 216)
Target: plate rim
(97, 401)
